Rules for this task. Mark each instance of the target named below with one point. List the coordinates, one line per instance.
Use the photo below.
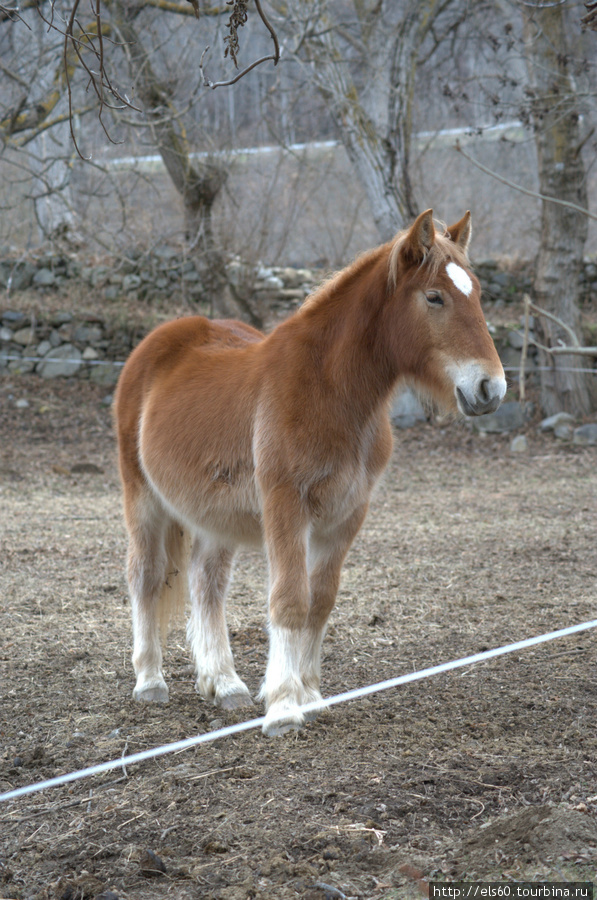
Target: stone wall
(92, 346)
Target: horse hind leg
(209, 575)
(155, 582)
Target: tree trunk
(555, 117)
(197, 182)
(375, 121)
(51, 191)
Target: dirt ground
(487, 772)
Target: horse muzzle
(478, 393)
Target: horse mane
(344, 278)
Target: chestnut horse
(228, 437)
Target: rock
(406, 410)
(166, 253)
(508, 417)
(21, 276)
(90, 353)
(62, 362)
(5, 358)
(191, 276)
(5, 334)
(552, 422)
(273, 283)
(519, 444)
(24, 336)
(86, 468)
(106, 374)
(292, 294)
(14, 319)
(150, 864)
(43, 348)
(563, 431)
(585, 434)
(22, 366)
(112, 292)
(88, 334)
(61, 318)
(22, 404)
(130, 283)
(510, 358)
(99, 274)
(44, 278)
(531, 322)
(516, 340)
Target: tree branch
(574, 350)
(523, 190)
(232, 46)
(590, 20)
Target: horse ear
(420, 237)
(461, 232)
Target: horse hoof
(156, 694)
(282, 721)
(237, 700)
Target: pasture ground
(488, 772)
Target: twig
(275, 57)
(525, 346)
(562, 350)
(590, 20)
(523, 190)
(330, 890)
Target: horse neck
(346, 321)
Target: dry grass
(486, 772)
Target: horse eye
(434, 298)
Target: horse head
(444, 345)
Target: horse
(229, 437)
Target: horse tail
(172, 600)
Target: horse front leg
(286, 533)
(207, 631)
(327, 554)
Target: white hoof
(154, 691)
(282, 717)
(225, 691)
(238, 700)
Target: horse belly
(203, 471)
(214, 502)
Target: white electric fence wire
(317, 705)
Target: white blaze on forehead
(460, 278)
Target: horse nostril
(484, 392)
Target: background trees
(556, 118)
(366, 103)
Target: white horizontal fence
(319, 705)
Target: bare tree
(362, 57)
(555, 115)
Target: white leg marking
(207, 632)
(283, 687)
(292, 678)
(311, 668)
